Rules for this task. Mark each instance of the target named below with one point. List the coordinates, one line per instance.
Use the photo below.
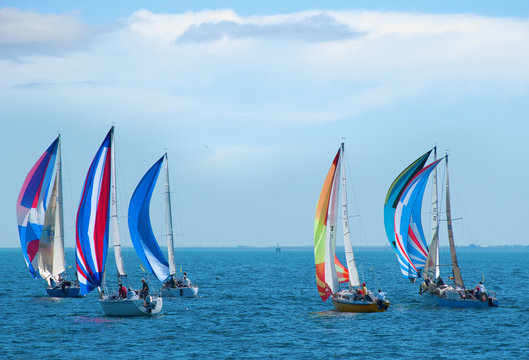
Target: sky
(251, 100)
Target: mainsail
(458, 280)
(51, 247)
(431, 269)
(354, 280)
(92, 224)
(169, 220)
(31, 205)
(114, 214)
(140, 228)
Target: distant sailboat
(278, 249)
(41, 224)
(144, 240)
(329, 271)
(98, 205)
(404, 203)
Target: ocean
(262, 304)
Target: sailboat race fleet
(41, 228)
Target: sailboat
(329, 271)
(96, 215)
(402, 217)
(144, 240)
(41, 224)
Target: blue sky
(251, 101)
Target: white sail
(458, 280)
(114, 212)
(331, 277)
(169, 220)
(354, 280)
(431, 268)
(51, 245)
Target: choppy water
(257, 304)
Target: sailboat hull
(434, 300)
(359, 307)
(131, 307)
(183, 292)
(63, 292)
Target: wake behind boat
(329, 271)
(98, 204)
(41, 224)
(143, 238)
(402, 217)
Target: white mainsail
(354, 280)
(51, 245)
(169, 220)
(431, 268)
(114, 212)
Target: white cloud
(27, 33)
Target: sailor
(186, 280)
(380, 300)
(440, 281)
(122, 291)
(131, 294)
(364, 289)
(480, 288)
(144, 292)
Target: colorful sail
(411, 246)
(395, 192)
(140, 228)
(92, 225)
(31, 205)
(320, 230)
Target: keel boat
(329, 271)
(41, 224)
(143, 238)
(96, 215)
(402, 217)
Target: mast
(169, 220)
(349, 255)
(431, 269)
(458, 280)
(114, 211)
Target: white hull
(183, 292)
(131, 307)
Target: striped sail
(140, 228)
(395, 192)
(329, 270)
(92, 225)
(410, 243)
(31, 205)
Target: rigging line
(363, 236)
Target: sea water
(263, 304)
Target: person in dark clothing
(144, 292)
